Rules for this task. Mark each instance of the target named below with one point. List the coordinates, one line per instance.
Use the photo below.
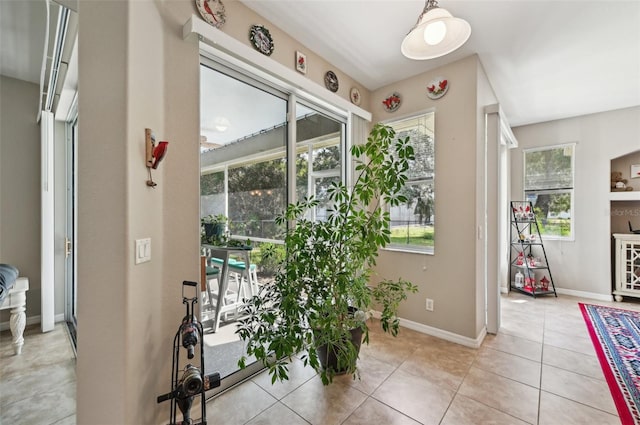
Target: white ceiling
(22, 32)
(545, 59)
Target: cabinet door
(628, 275)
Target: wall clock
(331, 81)
(212, 11)
(261, 39)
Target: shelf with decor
(529, 271)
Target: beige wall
(583, 265)
(448, 277)
(20, 185)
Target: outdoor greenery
(548, 185)
(412, 235)
(213, 229)
(327, 268)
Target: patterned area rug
(615, 334)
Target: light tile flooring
(540, 369)
(38, 386)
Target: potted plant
(213, 229)
(318, 303)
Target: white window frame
(546, 191)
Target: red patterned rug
(615, 334)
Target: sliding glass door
(249, 150)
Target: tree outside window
(413, 224)
(548, 184)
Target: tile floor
(540, 369)
(38, 387)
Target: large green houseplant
(321, 292)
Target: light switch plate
(143, 250)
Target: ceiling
(545, 59)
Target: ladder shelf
(529, 271)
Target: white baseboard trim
(31, 320)
(439, 333)
(584, 294)
(573, 293)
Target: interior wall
(128, 313)
(103, 233)
(583, 265)
(20, 185)
(448, 277)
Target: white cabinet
(627, 259)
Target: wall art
(331, 81)
(261, 39)
(301, 62)
(392, 102)
(437, 88)
(212, 11)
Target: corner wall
(127, 313)
(449, 276)
(583, 265)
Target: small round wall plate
(354, 94)
(261, 39)
(392, 102)
(212, 11)
(437, 88)
(331, 81)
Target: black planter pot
(328, 359)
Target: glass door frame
(290, 152)
(71, 187)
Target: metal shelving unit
(529, 270)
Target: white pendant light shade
(436, 34)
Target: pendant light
(436, 33)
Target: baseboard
(439, 333)
(573, 293)
(584, 294)
(31, 320)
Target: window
(548, 184)
(413, 224)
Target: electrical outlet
(429, 304)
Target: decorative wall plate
(331, 81)
(354, 94)
(392, 102)
(437, 88)
(212, 11)
(261, 39)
